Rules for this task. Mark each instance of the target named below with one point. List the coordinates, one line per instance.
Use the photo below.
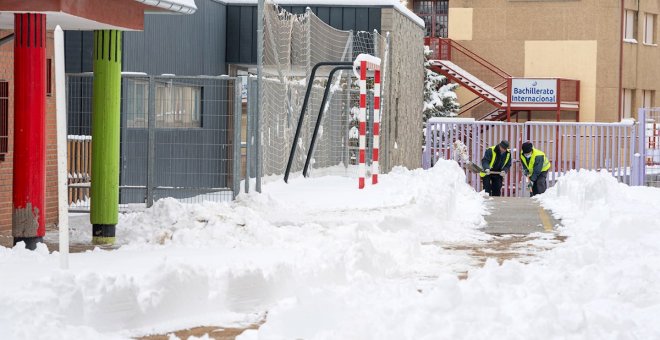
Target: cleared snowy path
(517, 215)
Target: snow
(371, 61)
(319, 259)
(184, 265)
(471, 78)
(602, 283)
(180, 6)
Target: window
(649, 29)
(630, 26)
(49, 74)
(626, 102)
(647, 98)
(136, 103)
(4, 119)
(178, 106)
(435, 15)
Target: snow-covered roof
(179, 6)
(394, 3)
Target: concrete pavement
(517, 215)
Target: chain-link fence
(180, 138)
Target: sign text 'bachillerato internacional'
(534, 91)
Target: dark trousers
(540, 184)
(492, 184)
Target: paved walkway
(516, 223)
(517, 215)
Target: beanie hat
(527, 147)
(504, 144)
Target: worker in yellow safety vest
(535, 168)
(496, 163)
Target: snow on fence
(614, 147)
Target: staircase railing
(448, 49)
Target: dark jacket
(500, 157)
(541, 164)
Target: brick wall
(7, 73)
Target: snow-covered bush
(439, 97)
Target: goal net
(293, 44)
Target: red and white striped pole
(376, 128)
(362, 122)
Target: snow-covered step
(471, 81)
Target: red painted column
(28, 213)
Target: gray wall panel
(246, 33)
(348, 20)
(375, 19)
(179, 44)
(233, 33)
(356, 18)
(78, 47)
(336, 17)
(362, 19)
(323, 13)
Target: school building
(610, 46)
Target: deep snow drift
(327, 261)
(602, 283)
(225, 264)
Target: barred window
(4, 119)
(177, 105)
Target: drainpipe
(621, 60)
(6, 39)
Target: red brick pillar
(28, 211)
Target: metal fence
(614, 147)
(180, 137)
(651, 118)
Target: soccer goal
(293, 45)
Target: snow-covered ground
(327, 261)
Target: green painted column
(106, 103)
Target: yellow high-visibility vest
(492, 159)
(530, 166)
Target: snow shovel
(462, 156)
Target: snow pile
(184, 265)
(602, 283)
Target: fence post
(236, 171)
(151, 141)
(426, 155)
(641, 147)
(248, 134)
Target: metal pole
(62, 178)
(303, 109)
(248, 135)
(385, 133)
(237, 139)
(260, 66)
(151, 141)
(322, 109)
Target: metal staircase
(481, 77)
